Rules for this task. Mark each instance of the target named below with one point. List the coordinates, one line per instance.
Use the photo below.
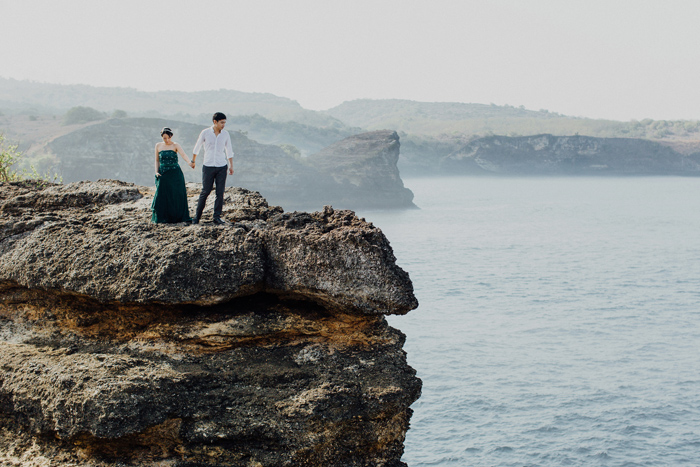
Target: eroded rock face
(365, 166)
(260, 343)
(567, 155)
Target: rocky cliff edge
(262, 343)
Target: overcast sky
(615, 59)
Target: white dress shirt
(216, 148)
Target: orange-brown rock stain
(194, 329)
(157, 442)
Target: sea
(559, 320)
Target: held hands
(230, 170)
(192, 164)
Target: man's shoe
(195, 220)
(218, 221)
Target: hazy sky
(614, 59)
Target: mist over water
(559, 320)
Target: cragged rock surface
(113, 253)
(261, 343)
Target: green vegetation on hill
(375, 111)
(43, 98)
(455, 119)
(83, 115)
(429, 131)
(307, 138)
(278, 120)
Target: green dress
(170, 202)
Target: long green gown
(170, 202)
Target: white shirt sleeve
(227, 146)
(200, 142)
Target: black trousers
(209, 176)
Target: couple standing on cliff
(170, 201)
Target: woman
(170, 202)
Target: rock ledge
(257, 344)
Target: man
(217, 149)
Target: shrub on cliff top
(9, 156)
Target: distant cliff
(567, 155)
(263, 343)
(365, 166)
(123, 149)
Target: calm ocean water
(559, 320)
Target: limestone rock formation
(261, 343)
(567, 155)
(365, 166)
(358, 172)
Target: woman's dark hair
(218, 116)
(166, 131)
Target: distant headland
(435, 137)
